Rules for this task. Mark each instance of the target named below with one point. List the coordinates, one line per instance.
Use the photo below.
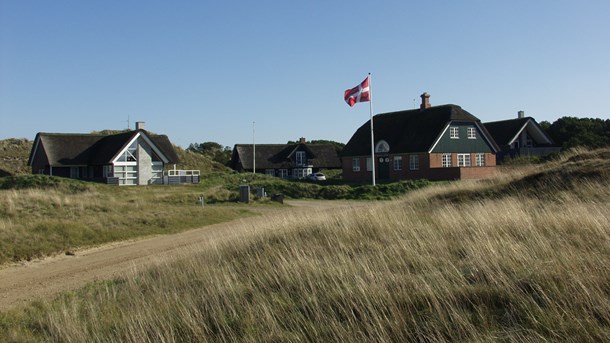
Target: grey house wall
(144, 162)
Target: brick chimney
(302, 140)
(425, 101)
(521, 114)
(139, 125)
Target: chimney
(425, 101)
(139, 125)
(302, 140)
(521, 114)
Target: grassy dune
(14, 156)
(41, 216)
(522, 257)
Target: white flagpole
(253, 151)
(372, 132)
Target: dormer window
(382, 147)
(472, 133)
(454, 132)
(301, 158)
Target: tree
(569, 132)
(213, 150)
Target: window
(300, 173)
(301, 158)
(454, 132)
(74, 172)
(107, 171)
(157, 173)
(270, 172)
(382, 146)
(413, 162)
(355, 164)
(463, 160)
(369, 164)
(130, 154)
(480, 160)
(128, 175)
(397, 162)
(283, 173)
(472, 133)
(446, 160)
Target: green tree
(213, 150)
(569, 132)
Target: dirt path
(20, 284)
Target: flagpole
(372, 132)
(253, 151)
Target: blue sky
(206, 70)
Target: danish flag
(360, 93)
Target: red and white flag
(360, 93)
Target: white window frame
(480, 159)
(301, 173)
(413, 162)
(126, 177)
(369, 164)
(472, 133)
(282, 173)
(463, 160)
(446, 160)
(397, 163)
(270, 172)
(382, 147)
(454, 132)
(355, 164)
(301, 158)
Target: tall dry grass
(506, 266)
(40, 222)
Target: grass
(506, 266)
(41, 215)
(14, 156)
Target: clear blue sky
(205, 70)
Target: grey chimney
(521, 114)
(302, 140)
(139, 125)
(425, 101)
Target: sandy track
(43, 279)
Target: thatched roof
(278, 156)
(411, 130)
(504, 132)
(70, 149)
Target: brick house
(127, 158)
(289, 161)
(432, 142)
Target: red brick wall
(350, 175)
(430, 167)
